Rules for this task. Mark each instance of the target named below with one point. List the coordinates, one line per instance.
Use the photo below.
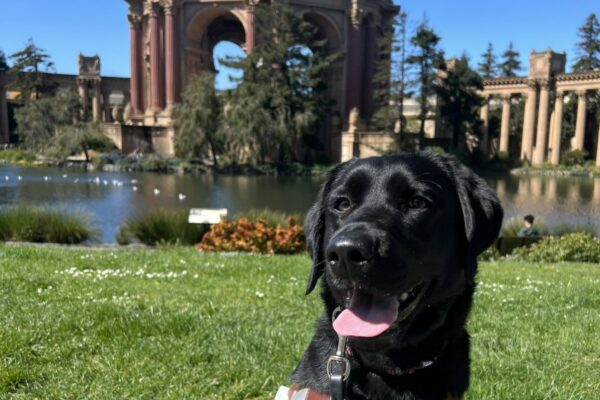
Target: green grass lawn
(177, 324)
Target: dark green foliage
(426, 59)
(3, 64)
(38, 122)
(161, 227)
(460, 102)
(29, 67)
(30, 224)
(588, 49)
(281, 99)
(572, 157)
(571, 247)
(488, 67)
(198, 118)
(510, 64)
(78, 138)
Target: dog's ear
(481, 211)
(314, 229)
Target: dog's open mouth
(370, 315)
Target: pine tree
(426, 59)
(488, 67)
(460, 101)
(281, 98)
(29, 68)
(588, 49)
(3, 64)
(511, 63)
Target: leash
(338, 366)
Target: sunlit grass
(174, 324)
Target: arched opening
(227, 78)
(212, 34)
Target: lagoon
(113, 197)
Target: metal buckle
(344, 363)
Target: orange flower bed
(254, 237)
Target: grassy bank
(173, 323)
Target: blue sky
(66, 27)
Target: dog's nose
(349, 253)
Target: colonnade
(544, 91)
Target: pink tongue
(368, 316)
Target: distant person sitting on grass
(528, 230)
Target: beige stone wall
(366, 144)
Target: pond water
(112, 198)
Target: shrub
(254, 237)
(161, 227)
(30, 224)
(271, 217)
(572, 247)
(491, 254)
(572, 157)
(435, 149)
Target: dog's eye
(342, 204)
(418, 202)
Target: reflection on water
(111, 198)
(556, 200)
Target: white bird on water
(76, 180)
(182, 197)
(6, 177)
(65, 176)
(156, 192)
(46, 178)
(135, 188)
(20, 177)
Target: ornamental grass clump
(40, 225)
(161, 227)
(571, 247)
(254, 237)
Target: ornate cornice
(168, 6)
(578, 76)
(545, 83)
(150, 8)
(505, 81)
(134, 20)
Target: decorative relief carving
(150, 9)
(134, 20)
(89, 66)
(168, 6)
(355, 13)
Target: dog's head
(393, 236)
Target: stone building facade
(173, 39)
(544, 91)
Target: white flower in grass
(259, 294)
(40, 290)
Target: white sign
(206, 215)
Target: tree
(588, 49)
(391, 79)
(488, 67)
(3, 64)
(30, 68)
(38, 122)
(459, 100)
(511, 63)
(426, 59)
(197, 119)
(281, 99)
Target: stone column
(370, 54)
(250, 33)
(529, 123)
(171, 59)
(354, 62)
(96, 102)
(4, 134)
(155, 61)
(505, 126)
(83, 96)
(485, 126)
(136, 81)
(578, 141)
(542, 129)
(106, 105)
(558, 119)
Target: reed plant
(44, 225)
(161, 227)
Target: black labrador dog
(396, 240)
